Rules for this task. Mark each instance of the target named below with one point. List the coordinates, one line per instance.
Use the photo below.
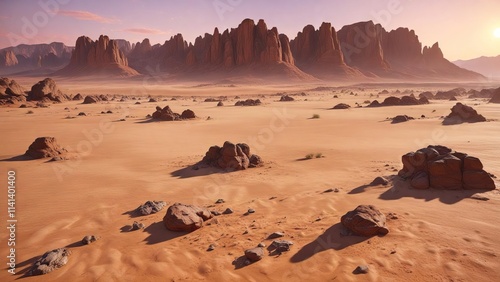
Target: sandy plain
(438, 235)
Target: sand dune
(437, 236)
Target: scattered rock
(89, 239)
(220, 104)
(261, 245)
(44, 147)
(251, 211)
(440, 167)
(181, 217)
(220, 201)
(82, 114)
(280, 246)
(137, 226)
(341, 106)
(188, 114)
(228, 211)
(365, 220)
(254, 254)
(90, 99)
(77, 97)
(46, 90)
(49, 262)
(461, 113)
(152, 100)
(361, 269)
(275, 235)
(379, 181)
(150, 207)
(401, 118)
(167, 114)
(480, 198)
(211, 247)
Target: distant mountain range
(487, 66)
(361, 51)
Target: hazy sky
(464, 28)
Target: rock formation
(341, 106)
(150, 207)
(49, 262)
(92, 99)
(180, 217)
(286, 98)
(496, 96)
(248, 102)
(46, 90)
(461, 113)
(403, 101)
(440, 167)
(97, 57)
(44, 147)
(166, 114)
(10, 88)
(231, 156)
(365, 220)
(8, 59)
(401, 118)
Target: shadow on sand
(331, 239)
(401, 189)
(197, 170)
(158, 233)
(19, 158)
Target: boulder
(181, 217)
(166, 114)
(91, 99)
(10, 88)
(44, 147)
(231, 156)
(461, 113)
(440, 167)
(427, 94)
(341, 106)
(365, 220)
(220, 104)
(150, 207)
(401, 118)
(46, 89)
(77, 97)
(496, 96)
(188, 114)
(49, 262)
(286, 98)
(254, 254)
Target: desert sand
(437, 236)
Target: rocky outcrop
(403, 101)
(181, 217)
(248, 102)
(8, 59)
(49, 262)
(46, 90)
(10, 88)
(365, 220)
(496, 96)
(461, 113)
(166, 114)
(44, 147)
(231, 156)
(97, 57)
(440, 167)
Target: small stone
(392, 215)
(254, 254)
(328, 190)
(211, 247)
(109, 112)
(89, 239)
(480, 198)
(215, 213)
(228, 211)
(82, 114)
(245, 232)
(251, 211)
(379, 181)
(261, 245)
(275, 235)
(393, 252)
(336, 190)
(280, 246)
(137, 226)
(361, 269)
(220, 201)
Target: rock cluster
(440, 167)
(44, 147)
(461, 113)
(365, 220)
(231, 156)
(49, 262)
(150, 207)
(403, 101)
(181, 217)
(248, 102)
(167, 114)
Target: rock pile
(44, 147)
(167, 114)
(248, 102)
(440, 167)
(231, 156)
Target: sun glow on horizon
(496, 33)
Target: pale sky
(464, 28)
